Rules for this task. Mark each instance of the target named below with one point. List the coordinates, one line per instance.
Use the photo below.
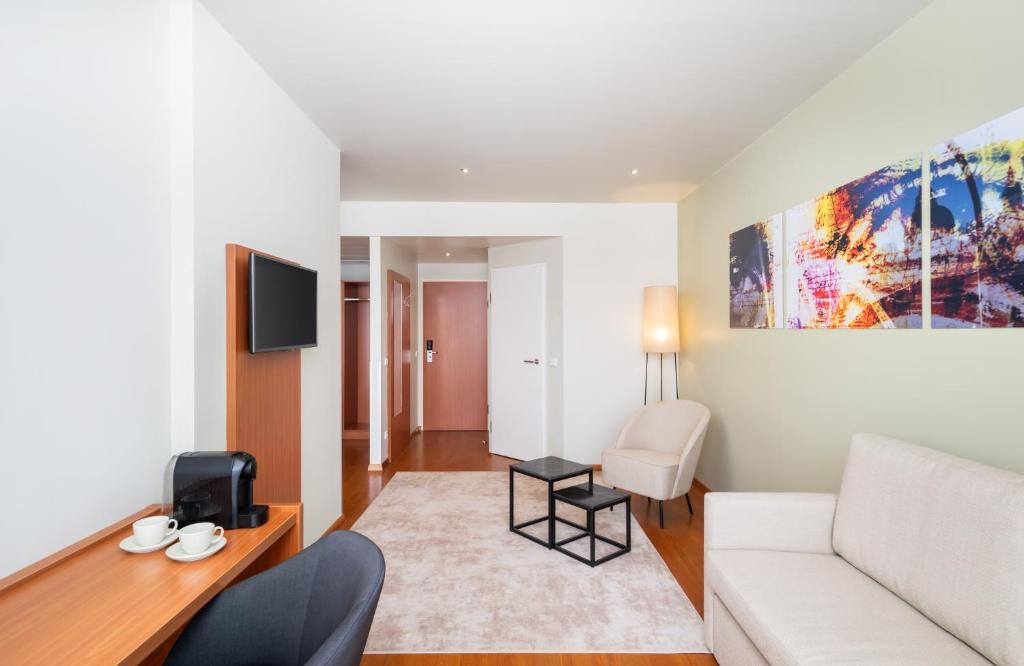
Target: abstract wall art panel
(853, 255)
(755, 275)
(977, 227)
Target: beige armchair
(657, 452)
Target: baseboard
(417, 430)
(375, 467)
(335, 526)
(698, 482)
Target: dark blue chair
(314, 608)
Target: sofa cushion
(732, 645)
(648, 473)
(805, 608)
(943, 533)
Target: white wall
(435, 272)
(784, 403)
(85, 269)
(548, 252)
(182, 227)
(453, 272)
(610, 253)
(266, 178)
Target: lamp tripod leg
(675, 362)
(647, 364)
(661, 380)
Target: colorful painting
(853, 255)
(977, 229)
(755, 275)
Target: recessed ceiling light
(635, 171)
(464, 170)
(447, 254)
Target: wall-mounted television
(282, 305)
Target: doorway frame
(345, 389)
(390, 449)
(421, 353)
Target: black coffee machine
(215, 487)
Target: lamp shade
(661, 320)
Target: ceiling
(546, 100)
(433, 249)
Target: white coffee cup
(197, 537)
(151, 531)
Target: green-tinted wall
(784, 402)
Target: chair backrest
(343, 599)
(669, 426)
(943, 533)
(314, 608)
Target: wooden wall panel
(264, 396)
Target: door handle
(533, 361)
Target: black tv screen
(282, 305)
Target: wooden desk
(95, 604)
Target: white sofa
(918, 560)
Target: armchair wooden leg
(688, 505)
(661, 514)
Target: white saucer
(129, 545)
(178, 554)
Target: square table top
(583, 497)
(551, 468)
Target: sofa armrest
(795, 522)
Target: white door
(517, 362)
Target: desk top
(103, 605)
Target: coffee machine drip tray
(253, 516)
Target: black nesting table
(550, 470)
(593, 498)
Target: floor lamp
(661, 332)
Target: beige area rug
(459, 581)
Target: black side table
(549, 469)
(592, 499)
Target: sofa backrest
(944, 534)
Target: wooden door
(399, 366)
(455, 375)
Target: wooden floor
(681, 543)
